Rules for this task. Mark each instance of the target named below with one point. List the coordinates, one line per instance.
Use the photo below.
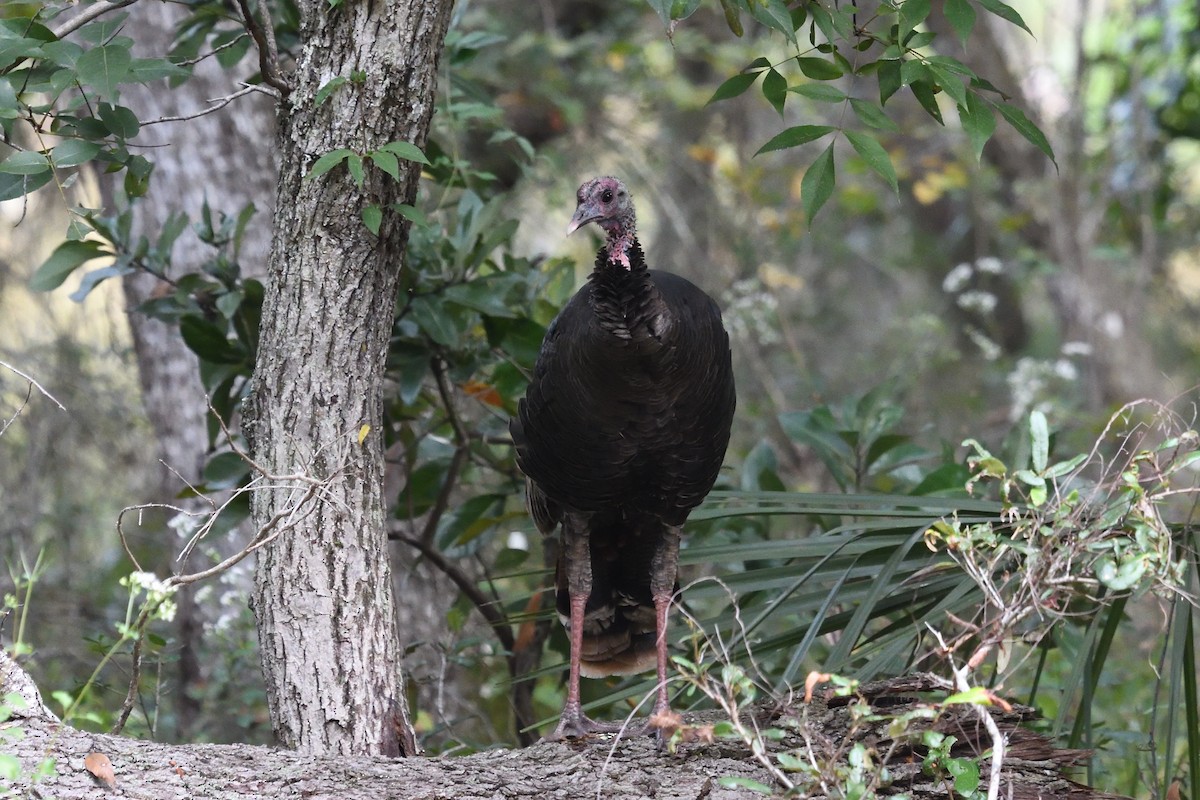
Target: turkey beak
(584, 214)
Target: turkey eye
(607, 196)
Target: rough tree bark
(323, 595)
(822, 731)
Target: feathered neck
(620, 240)
(621, 256)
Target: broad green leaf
(817, 184)
(14, 186)
(821, 92)
(74, 152)
(872, 115)
(65, 259)
(435, 320)
(819, 69)
(1005, 12)
(1063, 467)
(94, 278)
(354, 164)
(978, 121)
(912, 14)
(774, 88)
(889, 79)
(775, 15)
(797, 135)
(120, 120)
(328, 162)
(104, 68)
(1016, 117)
(208, 341)
(145, 70)
(406, 150)
(1039, 437)
(326, 90)
(923, 91)
(732, 18)
(734, 86)
(372, 217)
(387, 162)
(876, 157)
(950, 83)
(411, 213)
(225, 471)
(25, 162)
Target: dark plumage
(621, 434)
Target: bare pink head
(606, 202)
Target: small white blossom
(517, 540)
(1076, 349)
(1065, 370)
(957, 278)
(978, 301)
(990, 264)
(987, 346)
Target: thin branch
(193, 61)
(268, 54)
(486, 606)
(461, 450)
(217, 104)
(93, 11)
(34, 383)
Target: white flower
(1076, 349)
(957, 278)
(990, 264)
(977, 300)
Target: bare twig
(33, 382)
(92, 12)
(217, 104)
(268, 53)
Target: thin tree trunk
(323, 594)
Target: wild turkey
(621, 434)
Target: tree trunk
(323, 595)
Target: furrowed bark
(323, 595)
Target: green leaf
(876, 157)
(792, 137)
(326, 90)
(889, 79)
(923, 91)
(774, 88)
(732, 19)
(961, 17)
(225, 471)
(14, 186)
(735, 782)
(411, 213)
(1005, 12)
(1039, 436)
(328, 162)
(65, 259)
(120, 120)
(819, 69)
(978, 121)
(208, 341)
(354, 164)
(872, 115)
(372, 217)
(817, 184)
(387, 162)
(1016, 117)
(104, 67)
(406, 150)
(734, 86)
(25, 162)
(145, 70)
(74, 152)
(435, 321)
(821, 92)
(1063, 467)
(912, 14)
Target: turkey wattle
(621, 434)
